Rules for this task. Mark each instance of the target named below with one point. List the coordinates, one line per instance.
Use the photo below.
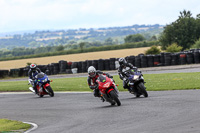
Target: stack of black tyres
(55, 68)
(63, 66)
(162, 59)
(167, 59)
(190, 58)
(182, 58)
(156, 59)
(175, 59)
(42, 68)
(80, 67)
(138, 61)
(107, 64)
(21, 72)
(112, 63)
(150, 61)
(89, 63)
(84, 66)
(101, 64)
(144, 61)
(4, 73)
(95, 64)
(196, 56)
(74, 65)
(14, 73)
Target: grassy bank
(12, 126)
(154, 82)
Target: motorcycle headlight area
(106, 85)
(135, 77)
(45, 80)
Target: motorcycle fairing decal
(110, 90)
(46, 85)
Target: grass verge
(13, 126)
(154, 82)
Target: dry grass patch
(6, 65)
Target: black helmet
(122, 61)
(33, 67)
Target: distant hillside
(71, 36)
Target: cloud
(60, 14)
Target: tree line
(184, 32)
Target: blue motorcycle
(136, 83)
(42, 85)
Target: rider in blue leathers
(33, 71)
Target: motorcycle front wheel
(142, 89)
(115, 97)
(51, 93)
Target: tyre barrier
(138, 61)
(163, 59)
(182, 59)
(196, 57)
(84, 66)
(63, 66)
(157, 61)
(150, 61)
(107, 64)
(190, 58)
(14, 73)
(89, 63)
(4, 73)
(55, 68)
(80, 67)
(144, 61)
(112, 64)
(168, 58)
(95, 64)
(101, 64)
(175, 59)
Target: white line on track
(35, 126)
(54, 92)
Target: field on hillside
(6, 65)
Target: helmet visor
(92, 74)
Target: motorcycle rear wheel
(51, 93)
(115, 97)
(142, 89)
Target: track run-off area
(162, 112)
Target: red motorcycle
(108, 90)
(42, 85)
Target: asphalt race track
(161, 112)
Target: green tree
(81, 45)
(182, 31)
(134, 38)
(197, 44)
(153, 50)
(60, 48)
(109, 41)
(174, 48)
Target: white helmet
(92, 71)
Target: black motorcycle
(136, 83)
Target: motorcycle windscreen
(40, 75)
(102, 78)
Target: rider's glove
(93, 87)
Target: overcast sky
(19, 15)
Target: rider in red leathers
(92, 77)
